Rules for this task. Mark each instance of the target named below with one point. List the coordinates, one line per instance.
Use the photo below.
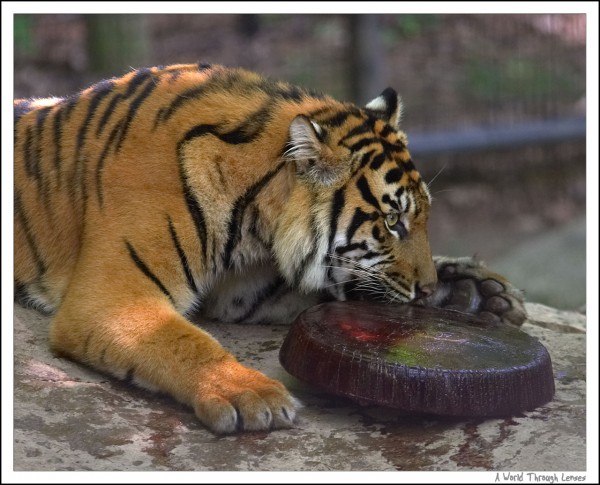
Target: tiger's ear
(387, 106)
(307, 149)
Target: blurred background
(494, 107)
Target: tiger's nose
(424, 291)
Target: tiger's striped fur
(200, 188)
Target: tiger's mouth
(380, 293)
(353, 280)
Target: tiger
(197, 189)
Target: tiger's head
(356, 221)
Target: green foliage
(408, 26)
(517, 78)
(117, 42)
(273, 20)
(23, 34)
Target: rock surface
(68, 417)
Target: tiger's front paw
(467, 285)
(232, 398)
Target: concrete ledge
(68, 417)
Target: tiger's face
(363, 206)
(380, 248)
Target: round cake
(419, 360)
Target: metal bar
(489, 138)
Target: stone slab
(69, 417)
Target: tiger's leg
(467, 285)
(134, 333)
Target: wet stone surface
(69, 417)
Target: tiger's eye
(391, 219)
(394, 225)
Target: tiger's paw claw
(467, 285)
(242, 399)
